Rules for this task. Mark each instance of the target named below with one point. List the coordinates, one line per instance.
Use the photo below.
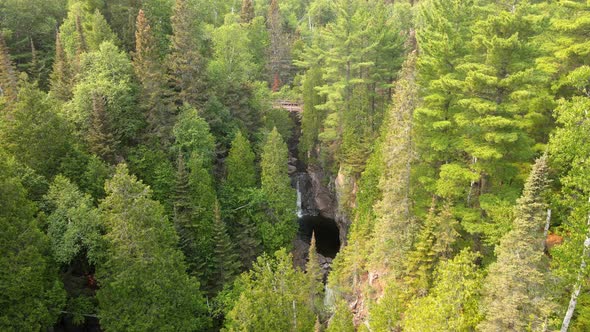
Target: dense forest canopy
(159, 158)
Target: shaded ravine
(309, 217)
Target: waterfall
(299, 208)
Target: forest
(295, 165)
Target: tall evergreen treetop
(516, 290)
(144, 284)
(241, 171)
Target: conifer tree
(341, 321)
(151, 75)
(61, 76)
(74, 225)
(516, 297)
(433, 243)
(312, 117)
(272, 297)
(314, 276)
(241, 171)
(33, 116)
(31, 295)
(453, 302)
(394, 228)
(182, 202)
(247, 14)
(186, 64)
(8, 79)
(279, 226)
(81, 46)
(100, 138)
(144, 284)
(98, 31)
(278, 48)
(225, 262)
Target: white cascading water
(299, 209)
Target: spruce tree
(31, 295)
(433, 243)
(453, 302)
(247, 14)
(312, 117)
(144, 284)
(394, 228)
(8, 79)
(315, 276)
(516, 297)
(272, 297)
(186, 64)
(100, 138)
(225, 262)
(61, 76)
(279, 226)
(341, 321)
(240, 165)
(153, 95)
(569, 145)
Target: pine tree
(279, 48)
(516, 297)
(225, 262)
(186, 64)
(241, 171)
(61, 76)
(32, 296)
(312, 117)
(247, 14)
(34, 132)
(568, 147)
(100, 138)
(453, 302)
(314, 276)
(81, 46)
(279, 227)
(433, 243)
(8, 83)
(182, 203)
(144, 284)
(341, 321)
(394, 228)
(153, 95)
(272, 297)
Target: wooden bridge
(288, 105)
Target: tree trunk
(574, 299)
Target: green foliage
(143, 281)
(153, 94)
(34, 132)
(453, 303)
(74, 225)
(106, 87)
(341, 321)
(278, 227)
(32, 296)
(27, 23)
(516, 289)
(311, 122)
(273, 297)
(240, 165)
(193, 136)
(186, 64)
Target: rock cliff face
(328, 198)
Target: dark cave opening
(326, 234)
